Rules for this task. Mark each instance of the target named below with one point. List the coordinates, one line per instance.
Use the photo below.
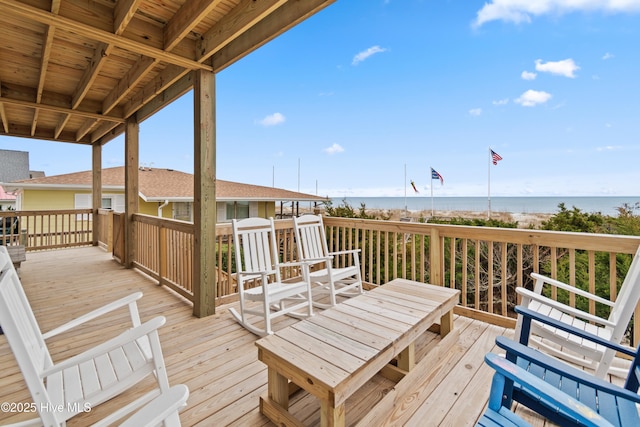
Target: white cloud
(528, 75)
(566, 67)
(501, 102)
(521, 11)
(272, 120)
(361, 56)
(531, 98)
(335, 148)
(475, 111)
(607, 56)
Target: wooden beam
(90, 74)
(44, 64)
(62, 122)
(103, 129)
(165, 79)
(186, 18)
(283, 18)
(204, 206)
(96, 166)
(170, 94)
(57, 109)
(123, 13)
(14, 8)
(128, 83)
(245, 15)
(86, 127)
(3, 113)
(24, 131)
(131, 188)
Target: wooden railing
(486, 264)
(47, 229)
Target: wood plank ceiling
(76, 70)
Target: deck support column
(131, 159)
(96, 204)
(204, 192)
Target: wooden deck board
(217, 359)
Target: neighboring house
(163, 192)
(14, 166)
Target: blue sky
(346, 102)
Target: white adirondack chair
(312, 246)
(258, 263)
(64, 389)
(570, 347)
(163, 410)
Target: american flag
(436, 175)
(495, 157)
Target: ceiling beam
(123, 13)
(185, 19)
(44, 134)
(3, 113)
(12, 7)
(164, 80)
(285, 17)
(58, 109)
(128, 83)
(44, 62)
(245, 15)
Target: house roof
(6, 196)
(157, 184)
(75, 71)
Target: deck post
(131, 158)
(96, 160)
(204, 192)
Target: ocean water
(604, 205)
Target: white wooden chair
(163, 410)
(570, 347)
(258, 263)
(312, 247)
(64, 389)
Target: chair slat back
(255, 245)
(22, 331)
(311, 236)
(629, 295)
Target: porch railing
(47, 229)
(486, 264)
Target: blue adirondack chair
(591, 400)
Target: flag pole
(405, 189)
(489, 185)
(431, 179)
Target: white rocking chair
(571, 347)
(62, 390)
(258, 261)
(312, 247)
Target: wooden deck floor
(217, 359)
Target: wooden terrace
(217, 359)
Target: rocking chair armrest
(564, 308)
(312, 261)
(127, 336)
(346, 251)
(572, 289)
(529, 315)
(129, 300)
(507, 369)
(306, 262)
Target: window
(107, 203)
(182, 211)
(237, 210)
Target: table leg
(330, 416)
(446, 323)
(407, 358)
(278, 387)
